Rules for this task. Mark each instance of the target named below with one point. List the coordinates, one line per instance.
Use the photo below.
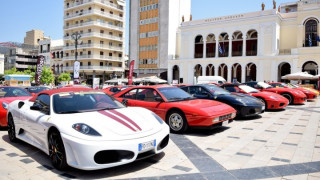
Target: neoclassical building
(263, 45)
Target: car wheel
(56, 151)
(289, 97)
(11, 129)
(177, 122)
(265, 103)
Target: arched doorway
(283, 69)
(251, 72)
(211, 46)
(175, 73)
(252, 43)
(311, 32)
(198, 47)
(311, 67)
(223, 47)
(237, 43)
(210, 70)
(197, 70)
(223, 71)
(236, 72)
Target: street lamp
(76, 68)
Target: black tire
(177, 121)
(265, 103)
(289, 97)
(57, 152)
(11, 129)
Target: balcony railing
(26, 60)
(99, 46)
(284, 51)
(96, 23)
(104, 68)
(95, 34)
(251, 53)
(104, 2)
(82, 57)
(236, 53)
(95, 11)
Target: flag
(40, 63)
(130, 72)
(223, 49)
(220, 50)
(318, 39)
(310, 41)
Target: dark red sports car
(294, 96)
(309, 94)
(270, 99)
(178, 108)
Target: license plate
(263, 108)
(147, 145)
(224, 123)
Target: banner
(130, 72)
(76, 69)
(96, 83)
(40, 63)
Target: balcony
(96, 68)
(86, 2)
(93, 12)
(26, 60)
(96, 57)
(22, 66)
(94, 23)
(95, 34)
(97, 46)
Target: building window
(89, 8)
(110, 54)
(101, 53)
(89, 30)
(81, 63)
(110, 33)
(311, 31)
(120, 55)
(110, 43)
(67, 64)
(89, 63)
(101, 63)
(111, 12)
(81, 53)
(120, 15)
(89, 52)
(89, 41)
(67, 54)
(101, 31)
(102, 10)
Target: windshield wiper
(176, 99)
(67, 112)
(188, 98)
(110, 108)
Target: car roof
(61, 90)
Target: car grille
(281, 104)
(228, 116)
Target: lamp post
(76, 67)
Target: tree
(30, 71)
(64, 77)
(46, 76)
(12, 71)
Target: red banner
(40, 63)
(130, 72)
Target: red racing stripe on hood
(117, 119)
(126, 118)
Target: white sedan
(86, 129)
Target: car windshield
(248, 89)
(281, 85)
(13, 92)
(174, 94)
(37, 89)
(83, 101)
(264, 85)
(217, 90)
(292, 86)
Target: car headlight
(273, 97)
(216, 119)
(296, 92)
(233, 115)
(5, 105)
(158, 118)
(85, 129)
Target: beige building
(153, 29)
(33, 37)
(262, 45)
(101, 46)
(1, 63)
(52, 50)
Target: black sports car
(244, 104)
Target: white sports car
(86, 129)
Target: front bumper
(299, 100)
(83, 154)
(248, 111)
(277, 104)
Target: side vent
(20, 104)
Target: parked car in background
(7, 95)
(115, 89)
(177, 108)
(86, 129)
(270, 99)
(211, 80)
(294, 96)
(244, 104)
(308, 93)
(36, 89)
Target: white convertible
(86, 129)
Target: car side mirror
(33, 94)
(125, 102)
(36, 107)
(158, 99)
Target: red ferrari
(294, 96)
(114, 89)
(178, 108)
(309, 94)
(7, 95)
(270, 99)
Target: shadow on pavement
(3, 128)
(248, 118)
(202, 132)
(43, 159)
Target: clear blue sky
(19, 16)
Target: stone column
(216, 70)
(217, 47)
(243, 73)
(204, 48)
(170, 78)
(204, 69)
(244, 47)
(230, 46)
(229, 73)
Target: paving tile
(253, 173)
(67, 176)
(182, 168)
(300, 125)
(12, 154)
(259, 140)
(233, 137)
(281, 160)
(1, 149)
(45, 167)
(247, 128)
(290, 144)
(270, 131)
(213, 149)
(296, 133)
(244, 154)
(27, 160)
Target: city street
(276, 145)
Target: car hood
(239, 99)
(118, 124)
(10, 99)
(268, 94)
(198, 103)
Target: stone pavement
(275, 145)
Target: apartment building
(52, 50)
(100, 49)
(153, 29)
(33, 37)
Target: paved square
(276, 145)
